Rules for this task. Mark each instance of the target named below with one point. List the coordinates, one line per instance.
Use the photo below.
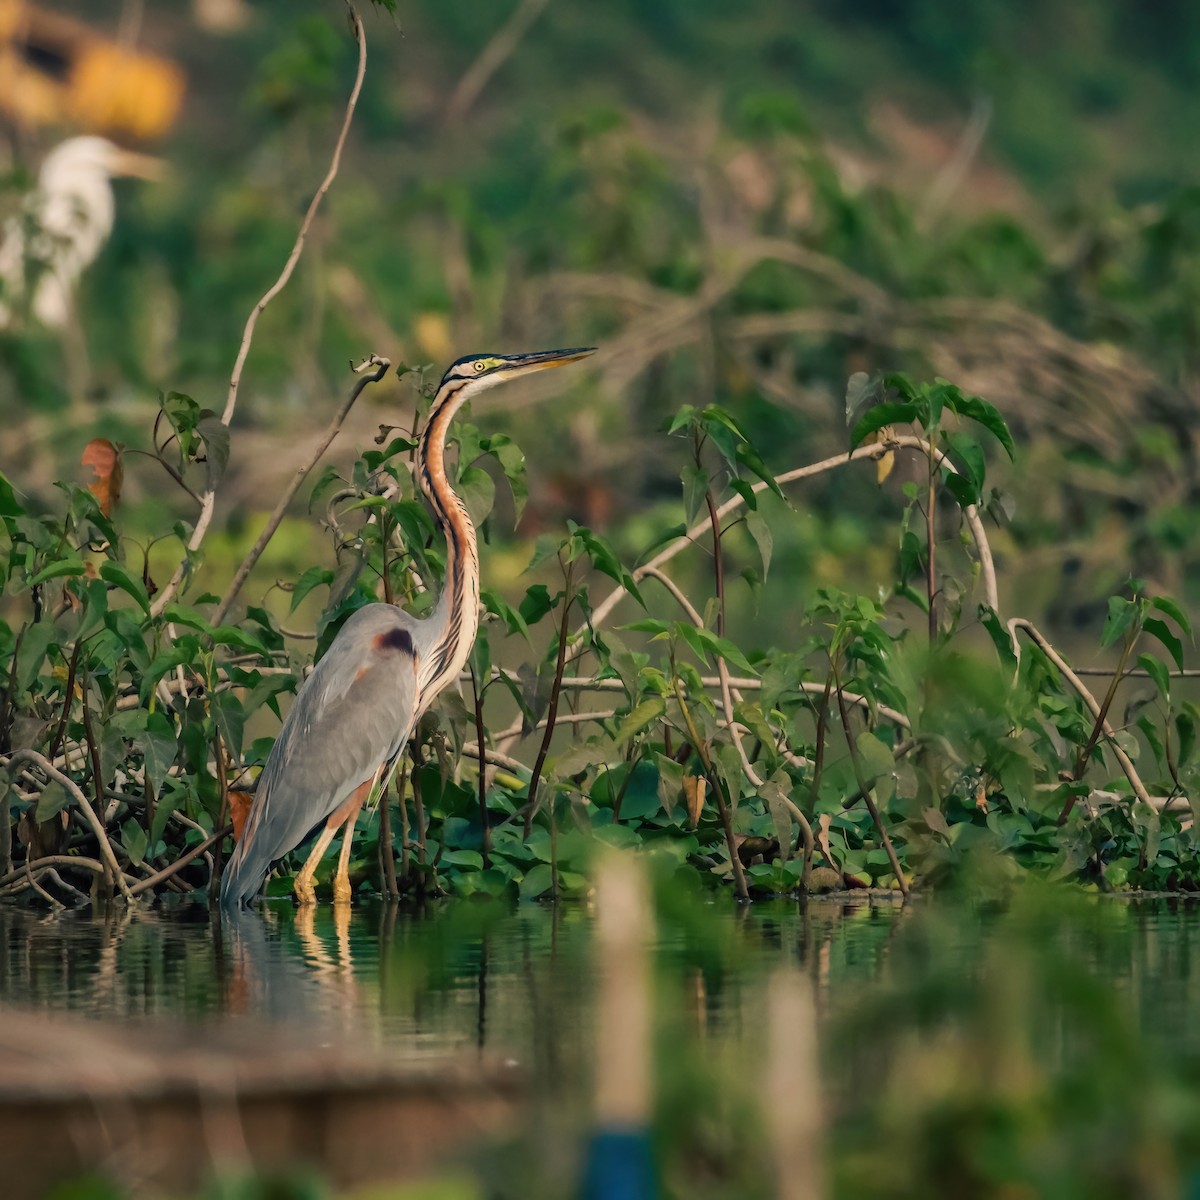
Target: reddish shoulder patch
(395, 639)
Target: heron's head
(79, 161)
(487, 370)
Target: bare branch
(490, 60)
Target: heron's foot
(342, 892)
(306, 893)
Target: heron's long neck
(455, 618)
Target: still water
(1039, 1044)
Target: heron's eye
(479, 365)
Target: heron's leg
(306, 893)
(341, 881)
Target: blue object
(619, 1166)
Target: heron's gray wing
(352, 715)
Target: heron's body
(354, 713)
(68, 219)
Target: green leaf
(876, 418)
(1165, 604)
(117, 574)
(876, 756)
(71, 565)
(159, 749)
(961, 488)
(1157, 670)
(760, 531)
(536, 603)
(312, 578)
(1165, 634)
(538, 881)
(704, 640)
(978, 409)
(640, 717)
(54, 799)
(1121, 615)
(216, 447)
(695, 485)
(750, 457)
(133, 838)
(478, 493)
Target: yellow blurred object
(56, 69)
(432, 332)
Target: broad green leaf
(70, 565)
(760, 531)
(1157, 670)
(53, 799)
(216, 447)
(640, 717)
(133, 838)
(695, 486)
(1165, 634)
(874, 419)
(750, 457)
(1165, 604)
(117, 574)
(978, 409)
(312, 578)
(1121, 615)
(159, 749)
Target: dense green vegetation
(892, 711)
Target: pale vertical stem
(792, 1090)
(624, 1050)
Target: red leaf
(105, 460)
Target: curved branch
(89, 815)
(869, 453)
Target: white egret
(65, 223)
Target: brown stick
(162, 876)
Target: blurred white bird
(65, 222)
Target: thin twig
(166, 873)
(723, 805)
(503, 42)
(560, 661)
(208, 500)
(481, 746)
(381, 366)
(1031, 631)
(865, 789)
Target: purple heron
(354, 713)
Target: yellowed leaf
(694, 787)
